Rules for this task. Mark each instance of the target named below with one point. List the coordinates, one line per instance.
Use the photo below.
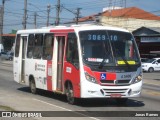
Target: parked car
(151, 65)
(7, 55)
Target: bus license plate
(116, 95)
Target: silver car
(7, 55)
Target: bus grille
(108, 92)
(115, 82)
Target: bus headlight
(90, 78)
(137, 79)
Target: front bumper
(97, 91)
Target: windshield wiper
(105, 56)
(102, 63)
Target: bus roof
(96, 27)
(70, 28)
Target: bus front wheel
(33, 86)
(70, 94)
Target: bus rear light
(90, 78)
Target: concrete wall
(130, 24)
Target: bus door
(19, 58)
(24, 43)
(60, 40)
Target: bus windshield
(108, 47)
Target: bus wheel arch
(32, 84)
(70, 92)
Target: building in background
(130, 18)
(8, 40)
(148, 40)
(145, 27)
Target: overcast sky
(14, 10)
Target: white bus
(81, 61)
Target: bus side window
(38, 42)
(30, 46)
(72, 50)
(48, 46)
(17, 45)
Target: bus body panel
(16, 69)
(71, 73)
(37, 69)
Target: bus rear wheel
(33, 86)
(70, 94)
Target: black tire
(121, 101)
(151, 69)
(70, 94)
(33, 86)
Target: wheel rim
(151, 70)
(70, 96)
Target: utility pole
(48, 11)
(25, 15)
(35, 20)
(2, 17)
(110, 7)
(57, 12)
(77, 15)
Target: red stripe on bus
(111, 76)
(62, 30)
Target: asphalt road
(16, 97)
